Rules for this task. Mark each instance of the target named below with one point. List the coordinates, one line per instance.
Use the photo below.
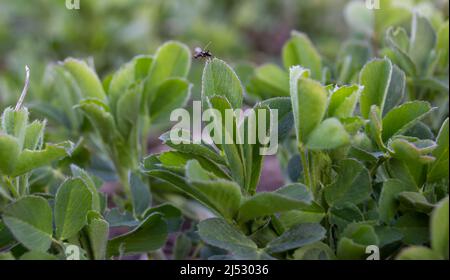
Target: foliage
(362, 131)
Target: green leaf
(219, 79)
(421, 131)
(127, 76)
(30, 221)
(375, 126)
(176, 162)
(442, 45)
(388, 236)
(6, 237)
(252, 155)
(142, 66)
(14, 123)
(149, 236)
(182, 247)
(311, 214)
(414, 227)
(354, 240)
(413, 151)
(439, 168)
(423, 39)
(100, 117)
(233, 151)
(127, 112)
(86, 78)
(266, 203)
(299, 50)
(39, 256)
(297, 236)
(337, 136)
(343, 101)
(376, 79)
(269, 80)
(172, 60)
(217, 232)
(410, 157)
(418, 253)
(285, 116)
(195, 172)
(296, 191)
(117, 219)
(388, 198)
(29, 160)
(397, 39)
(196, 149)
(344, 214)
(120, 82)
(439, 228)
(72, 203)
(34, 135)
(180, 183)
(352, 185)
(396, 91)
(97, 231)
(89, 182)
(9, 148)
(309, 101)
(409, 171)
(171, 94)
(353, 125)
(171, 214)
(415, 201)
(140, 194)
(403, 117)
(315, 251)
(224, 195)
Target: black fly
(202, 53)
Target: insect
(202, 53)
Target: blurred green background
(110, 32)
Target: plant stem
(4, 192)
(197, 251)
(123, 178)
(10, 187)
(23, 185)
(374, 169)
(305, 165)
(314, 173)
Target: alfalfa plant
(22, 149)
(74, 221)
(371, 169)
(367, 149)
(115, 115)
(223, 177)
